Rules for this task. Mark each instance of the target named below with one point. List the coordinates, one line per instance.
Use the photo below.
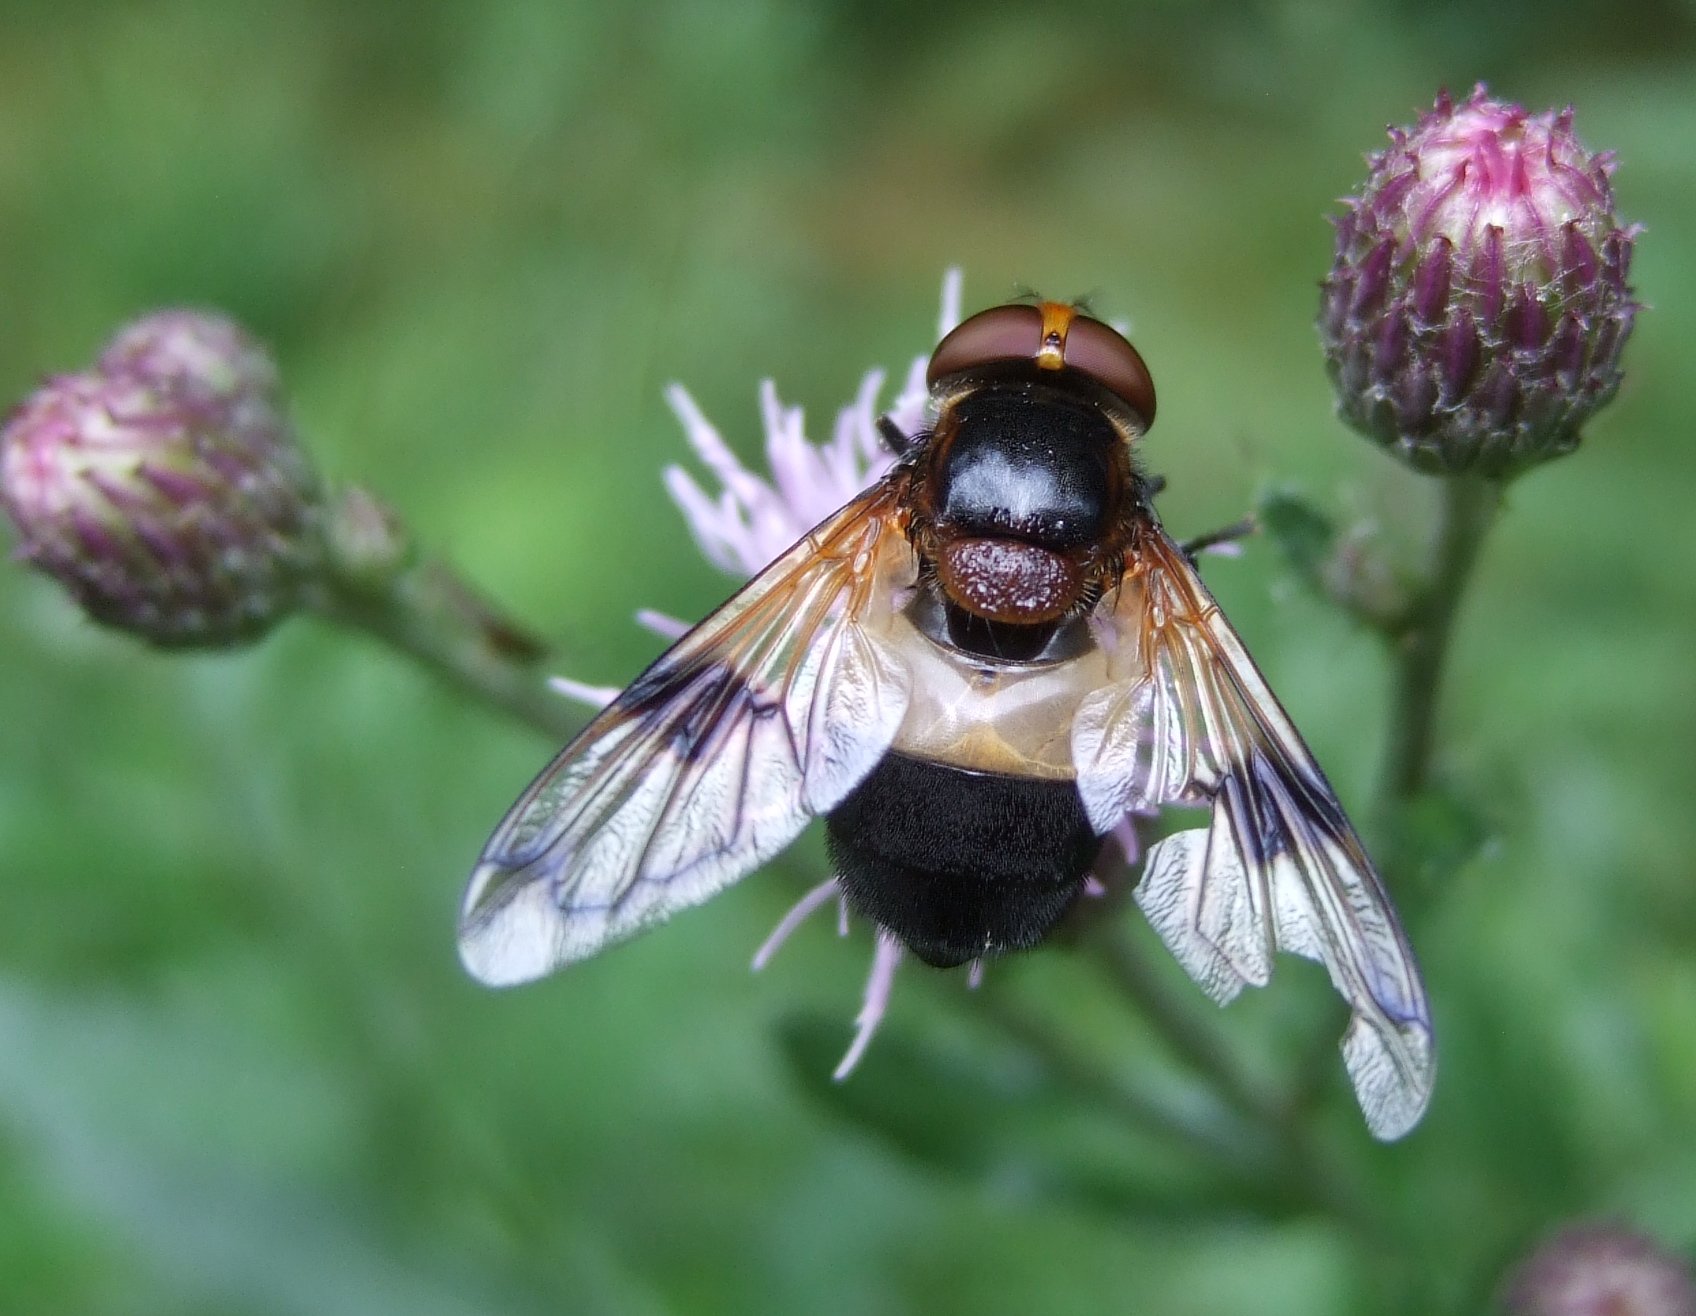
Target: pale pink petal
(953, 280)
(1125, 833)
(596, 696)
(667, 628)
(856, 453)
(796, 916)
(876, 1002)
(718, 535)
(910, 411)
(710, 446)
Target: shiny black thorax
(1027, 461)
(961, 864)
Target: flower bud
(1475, 313)
(206, 356)
(1588, 1269)
(164, 489)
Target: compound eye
(1102, 353)
(1002, 333)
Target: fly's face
(973, 672)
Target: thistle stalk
(1420, 637)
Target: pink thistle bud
(201, 353)
(1474, 316)
(164, 489)
(1600, 1270)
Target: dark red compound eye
(1002, 333)
(1104, 354)
(1017, 333)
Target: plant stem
(1190, 1037)
(1420, 637)
(1228, 1145)
(1302, 1159)
(429, 613)
(1418, 632)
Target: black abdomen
(960, 864)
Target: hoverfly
(971, 673)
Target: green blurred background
(240, 1069)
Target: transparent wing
(766, 714)
(1279, 867)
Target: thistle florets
(164, 488)
(1589, 1269)
(1474, 316)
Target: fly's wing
(766, 714)
(1192, 722)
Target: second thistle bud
(164, 489)
(1475, 313)
(1601, 1269)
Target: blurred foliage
(239, 1068)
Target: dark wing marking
(1191, 721)
(766, 714)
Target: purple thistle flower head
(164, 488)
(752, 520)
(1475, 313)
(1600, 1270)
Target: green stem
(1420, 637)
(429, 613)
(1418, 632)
(1229, 1147)
(1189, 1036)
(1304, 1162)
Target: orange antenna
(1057, 320)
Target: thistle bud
(202, 354)
(1475, 313)
(1590, 1269)
(164, 489)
